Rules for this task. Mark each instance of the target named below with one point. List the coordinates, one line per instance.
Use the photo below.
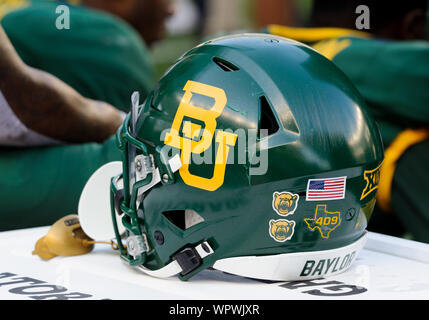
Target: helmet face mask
(251, 155)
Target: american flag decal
(326, 189)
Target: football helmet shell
(287, 178)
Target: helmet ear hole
(183, 219)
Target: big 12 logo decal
(196, 139)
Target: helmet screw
(165, 177)
(350, 214)
(140, 213)
(159, 237)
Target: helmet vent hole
(225, 65)
(267, 119)
(183, 219)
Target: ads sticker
(281, 230)
(285, 203)
(323, 220)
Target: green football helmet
(253, 155)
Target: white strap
(169, 270)
(173, 268)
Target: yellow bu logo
(196, 139)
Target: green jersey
(99, 55)
(40, 185)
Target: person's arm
(45, 104)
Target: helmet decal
(196, 139)
(281, 230)
(323, 220)
(326, 189)
(285, 203)
(372, 177)
(324, 267)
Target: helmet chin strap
(183, 262)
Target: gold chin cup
(64, 238)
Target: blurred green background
(194, 21)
